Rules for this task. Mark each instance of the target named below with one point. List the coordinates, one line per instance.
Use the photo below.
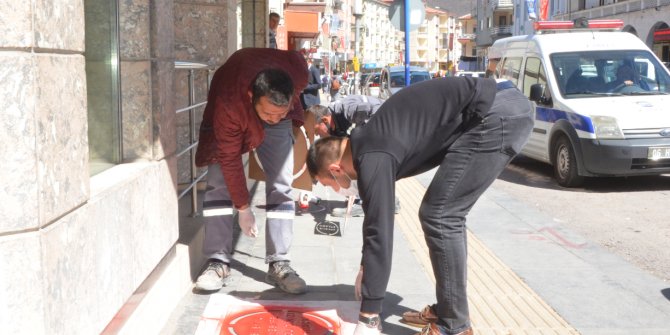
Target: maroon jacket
(230, 126)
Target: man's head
(322, 119)
(271, 94)
(274, 21)
(328, 163)
(625, 72)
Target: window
(533, 74)
(102, 80)
(510, 69)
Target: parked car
(363, 76)
(470, 74)
(392, 79)
(371, 86)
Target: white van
(602, 103)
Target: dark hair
(273, 14)
(319, 112)
(324, 152)
(274, 84)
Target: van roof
(565, 42)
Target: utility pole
(358, 13)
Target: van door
(538, 144)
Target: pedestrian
(252, 103)
(324, 83)
(335, 85)
(273, 22)
(310, 95)
(470, 129)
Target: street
(627, 216)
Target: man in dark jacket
(310, 95)
(341, 116)
(470, 129)
(252, 103)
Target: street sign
(417, 13)
(357, 64)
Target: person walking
(252, 103)
(310, 95)
(470, 129)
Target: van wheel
(565, 164)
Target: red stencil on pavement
(279, 320)
(229, 315)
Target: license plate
(658, 153)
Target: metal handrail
(191, 108)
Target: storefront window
(102, 78)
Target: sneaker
(282, 275)
(214, 276)
(419, 319)
(356, 210)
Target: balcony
(500, 31)
(501, 5)
(467, 38)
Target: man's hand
(247, 222)
(359, 283)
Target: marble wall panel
(201, 33)
(134, 18)
(163, 109)
(162, 29)
(136, 110)
(154, 235)
(62, 145)
(59, 24)
(18, 189)
(254, 23)
(16, 23)
(94, 266)
(21, 282)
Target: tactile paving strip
(500, 302)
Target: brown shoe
(419, 319)
(431, 329)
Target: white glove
(247, 222)
(359, 283)
(363, 329)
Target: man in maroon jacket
(252, 104)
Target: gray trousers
(276, 158)
(472, 163)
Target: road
(628, 216)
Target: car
(371, 86)
(393, 79)
(470, 74)
(600, 96)
(363, 76)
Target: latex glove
(359, 283)
(247, 222)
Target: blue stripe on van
(579, 122)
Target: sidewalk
(500, 302)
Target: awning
(302, 19)
(662, 35)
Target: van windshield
(609, 73)
(398, 78)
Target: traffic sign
(417, 13)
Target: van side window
(533, 74)
(511, 68)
